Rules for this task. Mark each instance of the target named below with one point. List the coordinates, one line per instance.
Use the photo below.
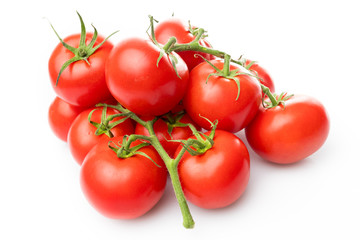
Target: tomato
(216, 98)
(161, 127)
(291, 133)
(82, 138)
(61, 115)
(80, 84)
(137, 83)
(174, 27)
(122, 188)
(264, 76)
(218, 177)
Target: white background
(310, 47)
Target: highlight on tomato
(122, 188)
(289, 132)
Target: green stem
(226, 69)
(267, 91)
(169, 44)
(195, 46)
(171, 165)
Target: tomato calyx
(104, 127)
(123, 149)
(195, 31)
(201, 143)
(173, 120)
(274, 99)
(227, 73)
(83, 52)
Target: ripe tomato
(161, 130)
(82, 138)
(80, 84)
(174, 27)
(137, 83)
(265, 78)
(122, 188)
(61, 115)
(218, 177)
(287, 135)
(216, 99)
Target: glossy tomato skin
(61, 115)
(265, 77)
(122, 188)
(137, 83)
(161, 131)
(80, 84)
(82, 138)
(216, 99)
(290, 134)
(218, 177)
(175, 27)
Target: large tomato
(61, 115)
(82, 138)
(287, 134)
(122, 188)
(262, 74)
(161, 128)
(218, 177)
(80, 83)
(174, 27)
(216, 98)
(139, 84)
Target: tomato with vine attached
(77, 68)
(264, 76)
(183, 33)
(84, 135)
(212, 97)
(290, 131)
(218, 177)
(168, 128)
(61, 115)
(141, 81)
(122, 188)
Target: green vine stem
(170, 163)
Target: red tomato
(61, 115)
(218, 177)
(265, 78)
(80, 84)
(176, 28)
(122, 188)
(161, 130)
(82, 138)
(139, 84)
(287, 135)
(216, 99)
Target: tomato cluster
(134, 113)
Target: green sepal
(125, 151)
(275, 100)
